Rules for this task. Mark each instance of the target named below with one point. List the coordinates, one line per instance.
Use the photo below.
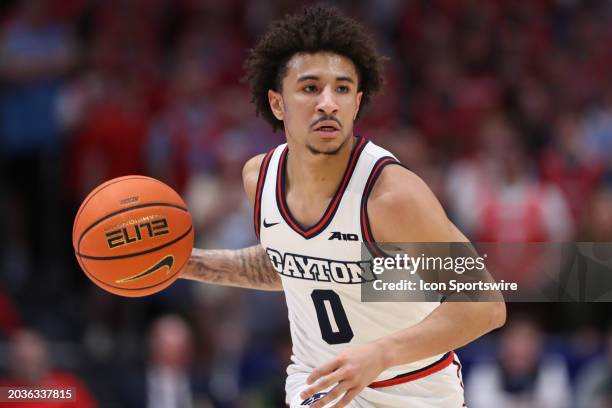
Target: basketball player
(317, 194)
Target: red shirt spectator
(30, 368)
(9, 316)
(568, 166)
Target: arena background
(503, 107)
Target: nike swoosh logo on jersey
(266, 225)
(165, 261)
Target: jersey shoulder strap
(261, 181)
(381, 159)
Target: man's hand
(352, 370)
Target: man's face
(318, 102)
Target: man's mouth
(327, 126)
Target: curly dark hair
(315, 28)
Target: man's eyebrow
(307, 78)
(345, 78)
(315, 78)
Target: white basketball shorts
(442, 389)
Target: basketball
(132, 235)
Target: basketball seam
(96, 192)
(148, 251)
(136, 207)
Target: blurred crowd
(503, 107)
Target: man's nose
(327, 104)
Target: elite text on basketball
(133, 232)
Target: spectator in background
(598, 135)
(597, 225)
(168, 380)
(229, 214)
(534, 113)
(497, 196)
(520, 208)
(10, 320)
(451, 102)
(106, 111)
(566, 164)
(594, 383)
(468, 178)
(30, 366)
(182, 140)
(523, 376)
(36, 52)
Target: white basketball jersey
(320, 266)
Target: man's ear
(276, 104)
(359, 96)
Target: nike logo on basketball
(165, 261)
(266, 225)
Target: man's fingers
(336, 392)
(323, 370)
(348, 397)
(323, 383)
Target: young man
(310, 73)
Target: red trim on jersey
(263, 169)
(458, 364)
(333, 205)
(366, 232)
(439, 365)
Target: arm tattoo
(248, 267)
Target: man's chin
(327, 147)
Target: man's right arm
(247, 267)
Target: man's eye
(343, 89)
(310, 88)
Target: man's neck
(316, 174)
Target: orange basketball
(132, 235)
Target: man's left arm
(401, 208)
